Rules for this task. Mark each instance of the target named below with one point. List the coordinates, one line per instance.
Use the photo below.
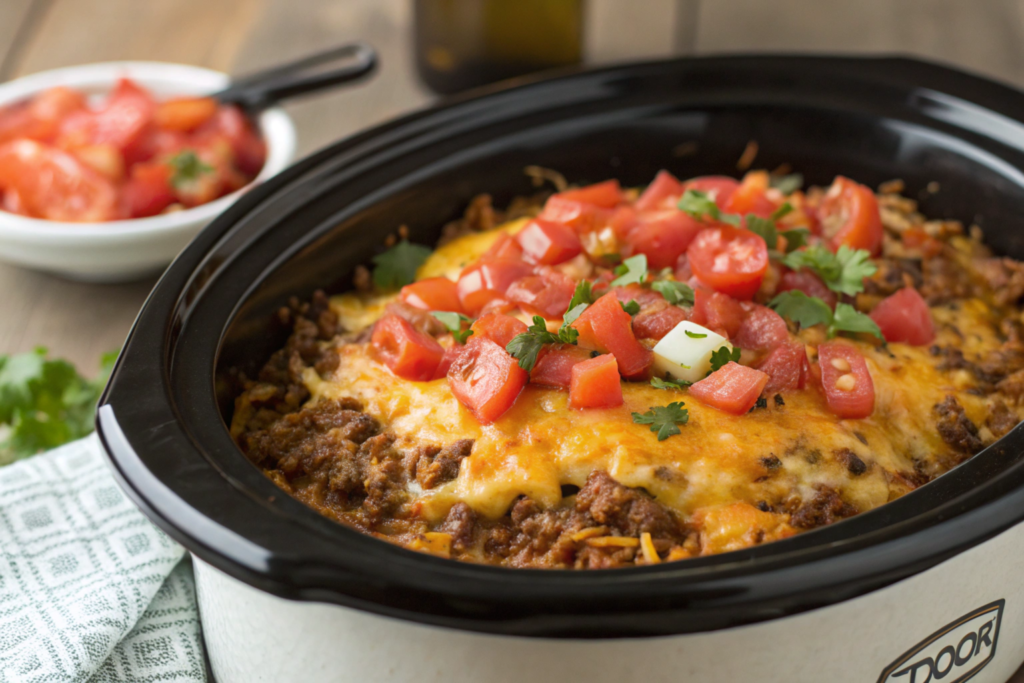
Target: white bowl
(117, 251)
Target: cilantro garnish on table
(663, 419)
(810, 310)
(453, 321)
(45, 403)
(397, 266)
(186, 167)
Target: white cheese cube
(687, 356)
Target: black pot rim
(166, 461)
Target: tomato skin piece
(596, 383)
(786, 366)
(750, 196)
(546, 294)
(488, 279)
(499, 328)
(607, 194)
(451, 353)
(580, 216)
(605, 327)
(505, 247)
(847, 398)
(729, 260)
(657, 321)
(555, 363)
(147, 192)
(663, 193)
(486, 379)
(408, 352)
(432, 294)
(849, 215)
(185, 114)
(718, 187)
(761, 329)
(634, 292)
(807, 282)
(733, 388)
(52, 184)
(663, 236)
(717, 311)
(124, 121)
(905, 317)
(548, 243)
(248, 149)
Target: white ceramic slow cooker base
(253, 636)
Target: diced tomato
(408, 352)
(39, 118)
(905, 317)
(486, 379)
(185, 114)
(622, 220)
(54, 185)
(16, 121)
(849, 390)
(786, 366)
(546, 294)
(505, 247)
(917, 238)
(104, 159)
(663, 193)
(488, 279)
(450, 354)
(761, 329)
(717, 311)
(729, 260)
(733, 388)
(123, 122)
(596, 383)
(809, 283)
(554, 365)
(498, 305)
(147, 192)
(663, 236)
(498, 328)
(849, 215)
(248, 149)
(634, 292)
(605, 327)
(718, 187)
(605, 194)
(750, 196)
(657, 321)
(578, 215)
(56, 103)
(432, 294)
(548, 243)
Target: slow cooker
(924, 588)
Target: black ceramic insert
(163, 423)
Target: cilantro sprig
(663, 419)
(699, 205)
(810, 310)
(186, 167)
(397, 266)
(721, 356)
(843, 271)
(678, 293)
(526, 347)
(631, 271)
(453, 321)
(669, 383)
(766, 228)
(787, 184)
(583, 294)
(631, 306)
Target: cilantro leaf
(849, 319)
(453, 321)
(843, 271)
(787, 184)
(526, 347)
(581, 295)
(669, 383)
(632, 271)
(663, 419)
(674, 292)
(795, 238)
(764, 228)
(397, 266)
(800, 308)
(186, 167)
(574, 312)
(631, 307)
(699, 205)
(781, 211)
(721, 357)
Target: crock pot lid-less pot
(872, 119)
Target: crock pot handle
(309, 74)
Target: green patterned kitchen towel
(90, 590)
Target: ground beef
(955, 428)
(851, 461)
(627, 510)
(437, 467)
(1000, 418)
(460, 523)
(826, 507)
(1004, 276)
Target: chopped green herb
(632, 271)
(765, 227)
(678, 293)
(632, 307)
(699, 205)
(582, 295)
(849, 319)
(453, 321)
(843, 271)
(810, 310)
(695, 335)
(781, 211)
(795, 238)
(721, 357)
(669, 383)
(526, 347)
(663, 419)
(786, 184)
(186, 168)
(397, 266)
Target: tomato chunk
(546, 294)
(849, 215)
(432, 294)
(663, 236)
(717, 311)
(488, 279)
(123, 122)
(663, 193)
(762, 329)
(408, 352)
(547, 242)
(809, 283)
(729, 260)
(147, 192)
(733, 388)
(750, 196)
(555, 364)
(505, 247)
(718, 187)
(580, 216)
(596, 383)
(605, 327)
(450, 355)
(605, 194)
(849, 390)
(498, 328)
(185, 114)
(53, 184)
(657, 321)
(905, 317)
(786, 366)
(486, 379)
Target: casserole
(865, 595)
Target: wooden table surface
(79, 321)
